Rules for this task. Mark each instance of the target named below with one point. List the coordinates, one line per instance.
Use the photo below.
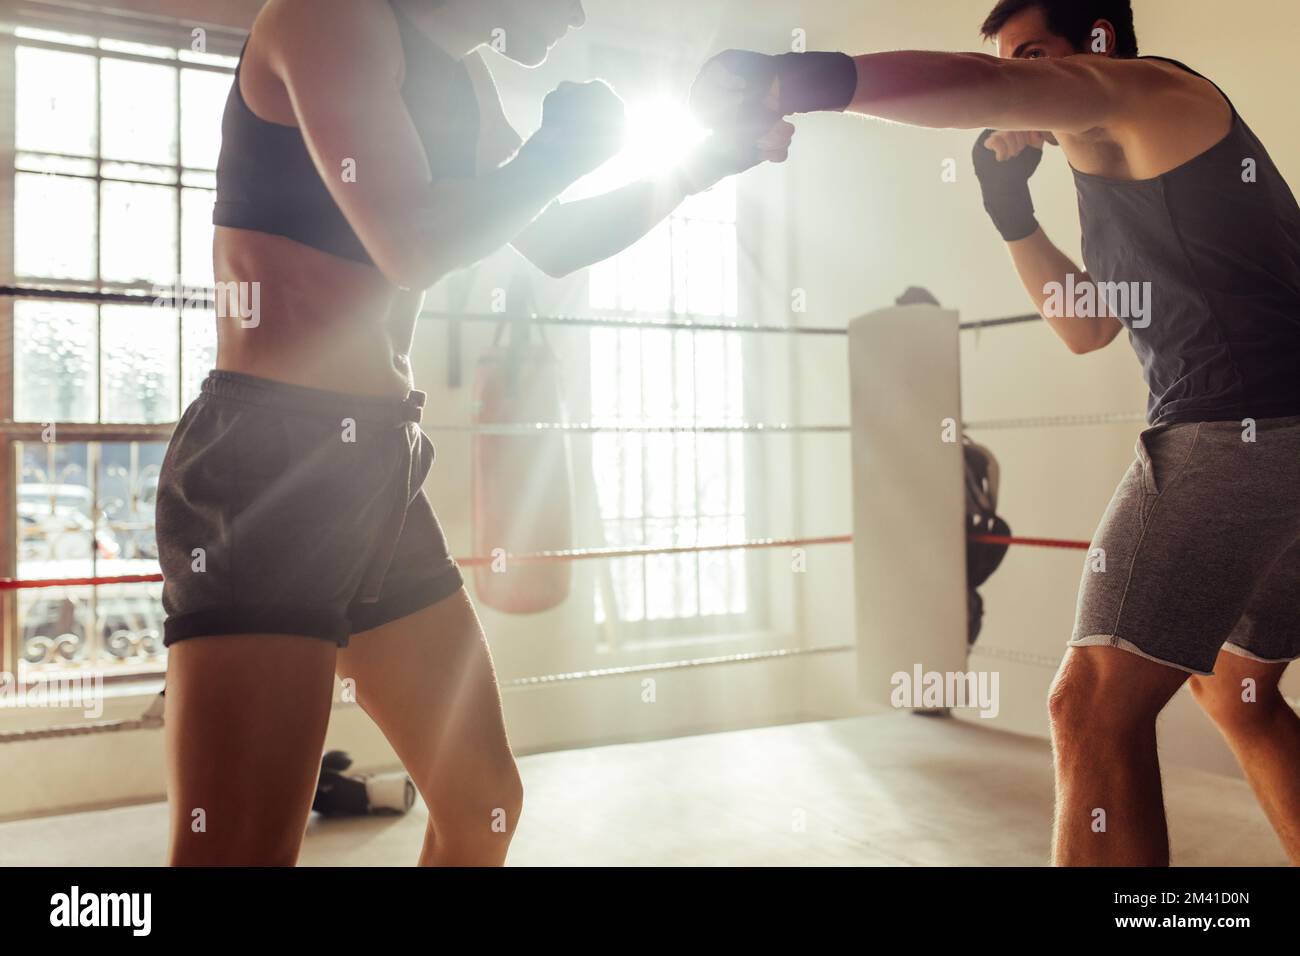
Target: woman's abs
(293, 314)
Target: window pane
(628, 495)
(196, 237)
(70, 526)
(128, 490)
(657, 375)
(714, 488)
(700, 269)
(139, 234)
(53, 625)
(627, 575)
(140, 368)
(200, 180)
(638, 280)
(671, 586)
(685, 410)
(604, 375)
(129, 617)
(55, 508)
(139, 112)
(54, 227)
(200, 355)
(55, 101)
(203, 101)
(660, 500)
(687, 469)
(54, 362)
(655, 487)
(55, 539)
(711, 376)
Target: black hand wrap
(808, 83)
(817, 82)
(1006, 188)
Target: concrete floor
(871, 791)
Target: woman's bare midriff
(321, 321)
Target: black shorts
(288, 510)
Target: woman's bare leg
(246, 719)
(427, 680)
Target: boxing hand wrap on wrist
(1005, 186)
(816, 82)
(801, 82)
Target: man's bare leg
(1109, 804)
(1243, 700)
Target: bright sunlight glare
(660, 133)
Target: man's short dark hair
(1072, 19)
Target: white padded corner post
(909, 512)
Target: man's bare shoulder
(1155, 85)
(1170, 116)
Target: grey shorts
(288, 510)
(1201, 549)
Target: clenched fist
(751, 91)
(1004, 164)
(583, 127)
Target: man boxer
(365, 156)
(1202, 540)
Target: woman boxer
(365, 156)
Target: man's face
(532, 27)
(1026, 36)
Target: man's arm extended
(973, 91)
(939, 90)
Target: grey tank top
(1218, 241)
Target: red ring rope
(1032, 542)
(587, 554)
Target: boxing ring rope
(577, 554)
(1056, 421)
(205, 298)
(588, 428)
(152, 719)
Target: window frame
(615, 634)
(101, 26)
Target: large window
(671, 489)
(115, 166)
(115, 146)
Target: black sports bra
(267, 181)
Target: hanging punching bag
(521, 483)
